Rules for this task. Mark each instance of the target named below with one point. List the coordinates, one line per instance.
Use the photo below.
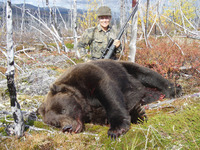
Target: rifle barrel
(110, 50)
(122, 29)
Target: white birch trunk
(132, 44)
(55, 29)
(75, 28)
(122, 20)
(142, 21)
(147, 19)
(15, 107)
(3, 20)
(122, 13)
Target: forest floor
(172, 124)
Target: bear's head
(174, 90)
(61, 109)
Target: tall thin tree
(75, 27)
(10, 74)
(147, 19)
(122, 20)
(132, 44)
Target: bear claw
(67, 128)
(113, 134)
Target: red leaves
(166, 58)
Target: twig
(24, 50)
(19, 68)
(147, 137)
(2, 74)
(152, 25)
(187, 20)
(40, 129)
(4, 53)
(70, 59)
(6, 146)
(8, 120)
(175, 44)
(41, 32)
(62, 18)
(180, 25)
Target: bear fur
(103, 92)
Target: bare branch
(180, 26)
(175, 44)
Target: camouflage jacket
(97, 40)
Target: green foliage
(177, 9)
(52, 44)
(69, 45)
(2, 131)
(76, 60)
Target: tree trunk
(132, 44)
(3, 20)
(75, 28)
(122, 13)
(15, 107)
(122, 20)
(147, 18)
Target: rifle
(110, 48)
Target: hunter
(97, 38)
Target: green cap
(104, 11)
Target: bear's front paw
(67, 128)
(119, 130)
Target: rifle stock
(110, 49)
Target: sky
(61, 3)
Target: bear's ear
(57, 88)
(53, 89)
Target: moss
(77, 61)
(69, 45)
(39, 124)
(2, 131)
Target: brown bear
(103, 92)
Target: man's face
(104, 21)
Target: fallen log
(159, 104)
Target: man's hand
(117, 43)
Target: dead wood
(158, 104)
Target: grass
(163, 130)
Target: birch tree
(10, 73)
(75, 27)
(122, 12)
(122, 20)
(132, 44)
(147, 18)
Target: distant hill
(44, 11)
